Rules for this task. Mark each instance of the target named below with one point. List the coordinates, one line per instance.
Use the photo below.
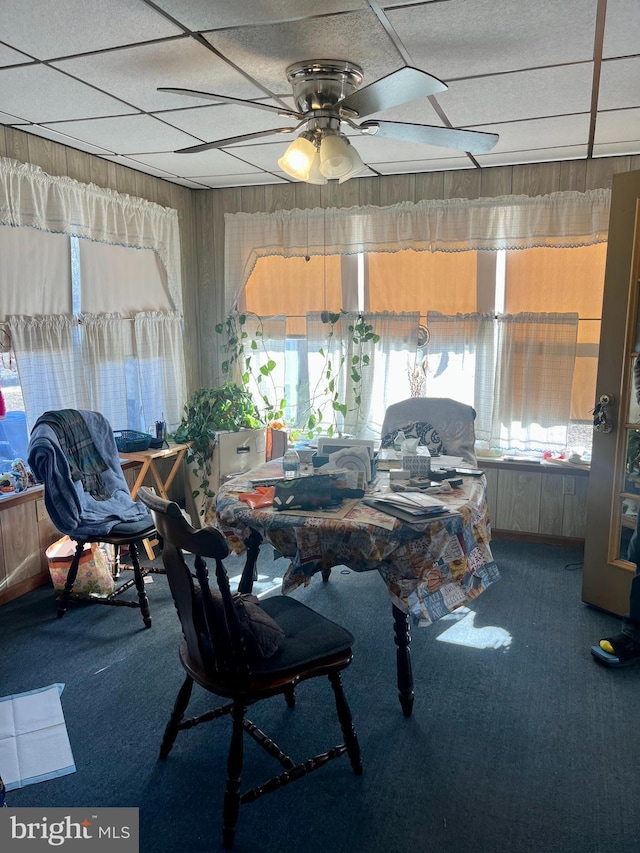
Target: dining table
(431, 566)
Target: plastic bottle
(290, 464)
(397, 441)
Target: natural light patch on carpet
(464, 633)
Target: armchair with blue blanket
(73, 453)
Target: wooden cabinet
(546, 502)
(26, 531)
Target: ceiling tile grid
(544, 76)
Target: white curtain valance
(558, 220)
(30, 197)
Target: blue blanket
(72, 509)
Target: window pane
(35, 273)
(294, 287)
(423, 281)
(556, 280)
(132, 279)
(564, 280)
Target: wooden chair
(453, 421)
(216, 655)
(83, 518)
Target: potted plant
(208, 413)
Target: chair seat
(308, 636)
(132, 529)
(310, 639)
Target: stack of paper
(409, 506)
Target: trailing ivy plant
(241, 350)
(207, 412)
(328, 400)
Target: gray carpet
(530, 748)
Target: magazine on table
(409, 506)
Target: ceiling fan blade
(399, 87)
(227, 99)
(232, 140)
(473, 141)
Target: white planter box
(233, 453)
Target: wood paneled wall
(532, 180)
(56, 159)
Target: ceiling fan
(327, 94)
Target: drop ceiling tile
(241, 180)
(458, 39)
(620, 83)
(5, 118)
(138, 166)
(135, 73)
(536, 155)
(256, 157)
(76, 26)
(66, 139)
(518, 95)
(8, 56)
(216, 14)
(213, 162)
(127, 134)
(616, 149)
(42, 94)
(225, 120)
(265, 52)
(433, 165)
(622, 28)
(617, 126)
(539, 133)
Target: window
(71, 351)
(544, 281)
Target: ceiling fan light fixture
(335, 155)
(357, 167)
(315, 176)
(297, 159)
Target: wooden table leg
(402, 638)
(250, 571)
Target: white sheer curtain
(131, 371)
(461, 363)
(30, 197)
(534, 374)
(50, 364)
(160, 367)
(35, 273)
(104, 353)
(386, 378)
(561, 219)
(515, 370)
(363, 375)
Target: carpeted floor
(528, 748)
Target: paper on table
(446, 461)
(411, 500)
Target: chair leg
(231, 808)
(142, 593)
(71, 579)
(346, 724)
(173, 726)
(290, 696)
